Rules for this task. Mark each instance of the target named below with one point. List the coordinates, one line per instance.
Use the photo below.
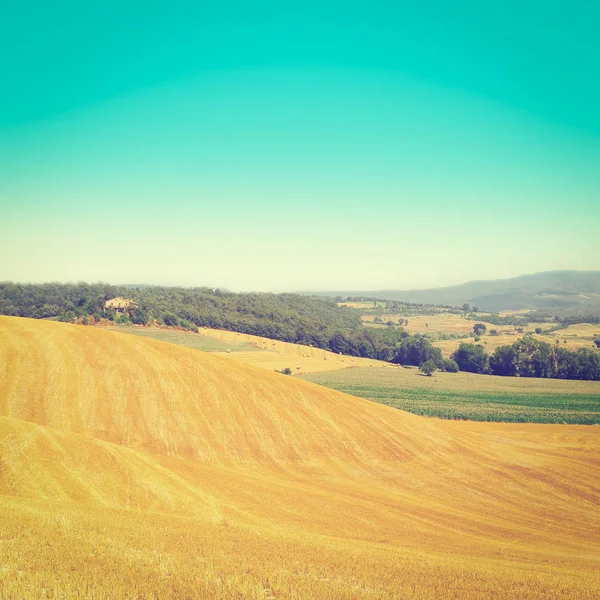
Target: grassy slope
(204, 342)
(470, 396)
(254, 350)
(131, 467)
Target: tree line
(528, 357)
(293, 318)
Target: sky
(269, 146)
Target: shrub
(448, 365)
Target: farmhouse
(120, 304)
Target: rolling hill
(539, 291)
(135, 468)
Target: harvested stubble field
(362, 305)
(442, 323)
(471, 396)
(491, 342)
(132, 468)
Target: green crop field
(472, 397)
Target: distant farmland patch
(471, 397)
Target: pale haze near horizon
(299, 149)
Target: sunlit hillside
(255, 350)
(274, 354)
(132, 468)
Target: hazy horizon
(273, 290)
(257, 147)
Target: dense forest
(286, 317)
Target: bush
(448, 365)
(189, 325)
(286, 371)
(122, 320)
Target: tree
(493, 332)
(339, 344)
(479, 328)
(471, 357)
(503, 361)
(597, 342)
(538, 330)
(428, 367)
(416, 350)
(466, 306)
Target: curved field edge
(471, 397)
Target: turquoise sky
(273, 146)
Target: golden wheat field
(443, 323)
(133, 468)
(585, 330)
(491, 342)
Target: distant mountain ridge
(538, 291)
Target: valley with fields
(133, 468)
